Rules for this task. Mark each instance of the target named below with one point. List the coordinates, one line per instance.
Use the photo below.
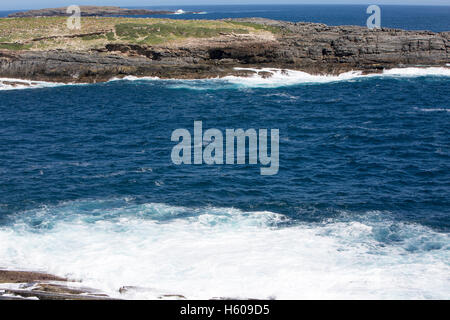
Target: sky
(39, 4)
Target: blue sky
(36, 4)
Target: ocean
(359, 208)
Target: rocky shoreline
(309, 47)
(25, 285)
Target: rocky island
(87, 11)
(107, 47)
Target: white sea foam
(133, 78)
(214, 252)
(273, 78)
(268, 77)
(16, 84)
(433, 109)
(261, 78)
(418, 72)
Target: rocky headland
(165, 48)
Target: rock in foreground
(22, 285)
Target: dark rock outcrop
(309, 47)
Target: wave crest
(262, 78)
(274, 78)
(269, 77)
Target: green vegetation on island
(48, 33)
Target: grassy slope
(52, 32)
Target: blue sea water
(359, 209)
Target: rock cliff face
(309, 47)
(325, 48)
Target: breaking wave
(17, 84)
(278, 77)
(203, 253)
(274, 78)
(261, 78)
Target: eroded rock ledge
(25, 285)
(22, 285)
(309, 47)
